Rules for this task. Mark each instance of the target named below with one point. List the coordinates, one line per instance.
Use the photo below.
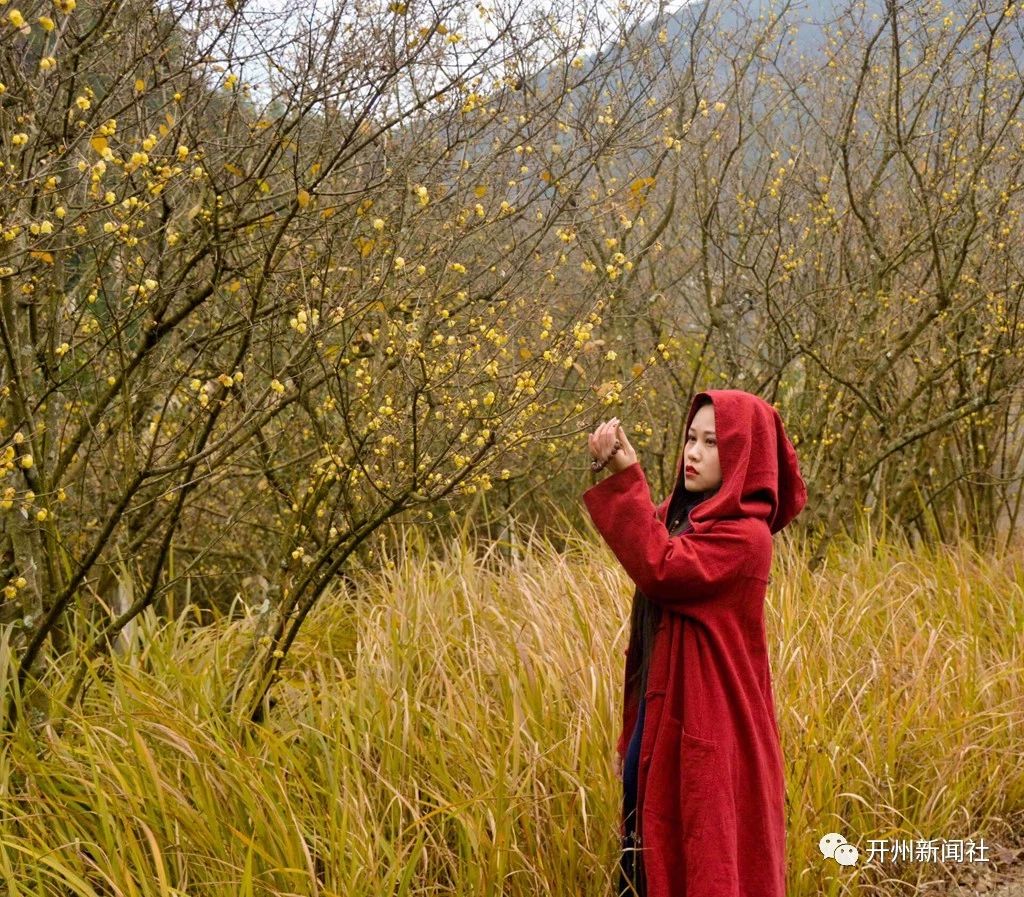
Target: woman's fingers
(608, 437)
(602, 440)
(621, 436)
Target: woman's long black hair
(645, 614)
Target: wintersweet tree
(842, 220)
(270, 280)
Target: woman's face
(701, 470)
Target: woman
(703, 803)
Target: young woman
(703, 811)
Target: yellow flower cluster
(301, 319)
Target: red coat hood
(760, 473)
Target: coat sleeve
(672, 571)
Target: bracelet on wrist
(596, 465)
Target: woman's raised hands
(609, 446)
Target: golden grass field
(450, 730)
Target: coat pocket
(699, 780)
(680, 798)
(661, 790)
(710, 857)
(683, 773)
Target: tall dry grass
(449, 730)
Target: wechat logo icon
(834, 846)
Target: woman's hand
(603, 439)
(617, 765)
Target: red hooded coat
(710, 797)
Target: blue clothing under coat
(630, 866)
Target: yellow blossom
(26, 461)
(19, 139)
(16, 18)
(46, 22)
(82, 102)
